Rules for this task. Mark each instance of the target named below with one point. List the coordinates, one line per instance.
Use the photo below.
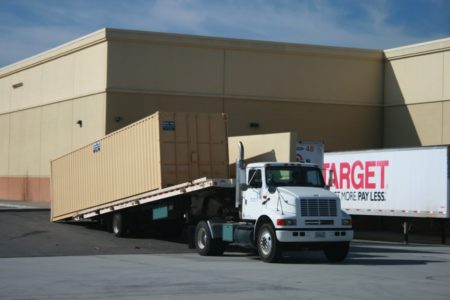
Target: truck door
(252, 196)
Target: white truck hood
(289, 195)
(305, 192)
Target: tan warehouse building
(348, 98)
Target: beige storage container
(161, 150)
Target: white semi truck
(144, 176)
(280, 205)
(277, 206)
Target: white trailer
(404, 182)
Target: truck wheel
(204, 244)
(269, 248)
(118, 225)
(336, 252)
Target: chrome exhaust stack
(240, 175)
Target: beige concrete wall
(446, 122)
(130, 107)
(66, 77)
(40, 134)
(138, 66)
(264, 147)
(417, 95)
(446, 75)
(414, 79)
(304, 77)
(92, 111)
(4, 144)
(32, 137)
(339, 127)
(24, 143)
(415, 125)
(283, 87)
(201, 66)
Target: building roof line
(112, 34)
(58, 51)
(429, 47)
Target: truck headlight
(347, 222)
(286, 222)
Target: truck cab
(281, 206)
(289, 203)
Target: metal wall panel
(446, 122)
(415, 79)
(79, 74)
(339, 127)
(304, 77)
(25, 143)
(158, 67)
(158, 151)
(4, 144)
(446, 76)
(414, 125)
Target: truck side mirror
(244, 187)
(272, 189)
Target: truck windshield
(294, 176)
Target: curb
(23, 209)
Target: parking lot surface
(40, 260)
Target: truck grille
(318, 207)
(319, 222)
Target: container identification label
(96, 147)
(168, 125)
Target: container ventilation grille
(318, 207)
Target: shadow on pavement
(359, 255)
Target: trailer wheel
(118, 225)
(336, 252)
(204, 244)
(269, 249)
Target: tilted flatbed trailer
(154, 197)
(161, 205)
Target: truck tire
(269, 249)
(337, 252)
(119, 225)
(204, 244)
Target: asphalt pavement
(29, 233)
(44, 260)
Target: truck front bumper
(296, 235)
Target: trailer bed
(200, 184)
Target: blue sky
(28, 27)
